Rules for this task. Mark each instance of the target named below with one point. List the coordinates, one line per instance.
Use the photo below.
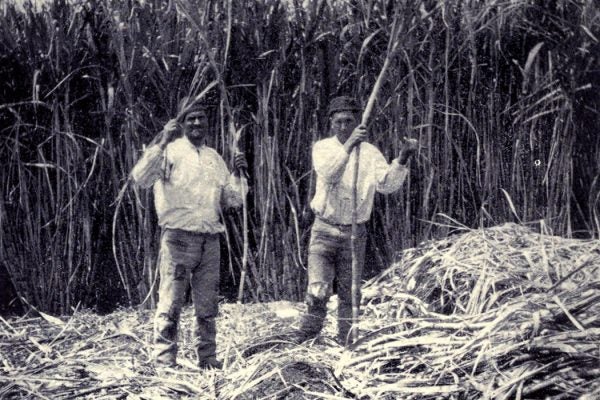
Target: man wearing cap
(330, 250)
(191, 186)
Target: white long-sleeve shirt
(191, 184)
(333, 195)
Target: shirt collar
(191, 145)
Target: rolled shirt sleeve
(234, 191)
(329, 162)
(390, 177)
(149, 168)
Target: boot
(205, 332)
(210, 363)
(165, 340)
(311, 323)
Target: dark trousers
(329, 258)
(187, 259)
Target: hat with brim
(343, 103)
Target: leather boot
(205, 332)
(165, 340)
(210, 363)
(312, 321)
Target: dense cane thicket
(502, 95)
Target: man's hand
(239, 163)
(168, 133)
(359, 134)
(409, 147)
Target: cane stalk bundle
(500, 95)
(538, 341)
(486, 314)
(480, 269)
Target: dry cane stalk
(243, 174)
(231, 126)
(243, 180)
(392, 48)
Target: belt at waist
(177, 231)
(339, 226)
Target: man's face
(342, 124)
(195, 125)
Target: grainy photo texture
(299, 199)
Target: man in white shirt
(191, 185)
(330, 251)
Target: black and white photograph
(300, 199)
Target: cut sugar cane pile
(495, 313)
(481, 269)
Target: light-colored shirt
(191, 184)
(334, 167)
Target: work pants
(187, 258)
(329, 257)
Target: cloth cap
(197, 106)
(343, 103)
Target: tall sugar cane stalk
(234, 133)
(391, 50)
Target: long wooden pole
(392, 48)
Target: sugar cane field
(481, 276)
